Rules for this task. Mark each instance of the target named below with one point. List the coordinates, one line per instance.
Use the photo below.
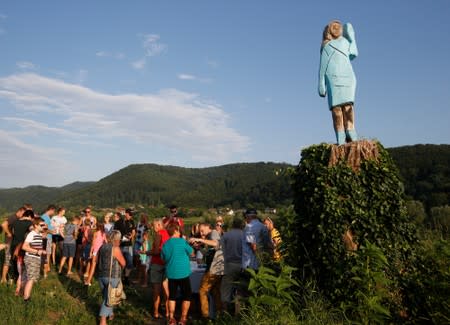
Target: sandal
(172, 321)
(157, 317)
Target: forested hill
(37, 195)
(425, 170)
(235, 184)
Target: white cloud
(202, 128)
(139, 64)
(35, 128)
(26, 65)
(152, 47)
(184, 76)
(118, 55)
(22, 163)
(102, 54)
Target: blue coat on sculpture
(336, 77)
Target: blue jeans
(127, 252)
(105, 310)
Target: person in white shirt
(58, 222)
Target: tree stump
(353, 153)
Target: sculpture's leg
(338, 123)
(349, 123)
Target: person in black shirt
(20, 229)
(127, 228)
(6, 227)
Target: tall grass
(63, 300)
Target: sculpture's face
(335, 29)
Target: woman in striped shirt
(32, 260)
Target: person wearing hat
(127, 228)
(254, 239)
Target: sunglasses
(87, 211)
(42, 225)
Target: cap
(250, 212)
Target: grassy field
(65, 300)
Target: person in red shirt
(173, 217)
(157, 268)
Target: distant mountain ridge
(425, 170)
(152, 184)
(38, 195)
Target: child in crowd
(141, 228)
(175, 252)
(108, 224)
(144, 260)
(46, 244)
(86, 242)
(97, 242)
(158, 276)
(69, 234)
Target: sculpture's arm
(323, 68)
(349, 34)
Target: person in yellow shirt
(275, 237)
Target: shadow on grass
(137, 306)
(91, 296)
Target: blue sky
(89, 87)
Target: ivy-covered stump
(348, 198)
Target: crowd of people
(159, 252)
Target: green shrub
(427, 287)
(369, 303)
(416, 211)
(440, 219)
(365, 202)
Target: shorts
(136, 247)
(86, 254)
(32, 267)
(157, 273)
(57, 238)
(69, 250)
(185, 288)
(7, 254)
(127, 252)
(48, 248)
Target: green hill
(237, 185)
(425, 171)
(38, 195)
